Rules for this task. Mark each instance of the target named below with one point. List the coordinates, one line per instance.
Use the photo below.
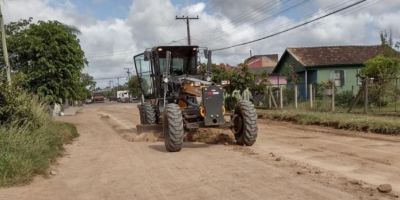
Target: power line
(331, 7)
(308, 16)
(108, 78)
(267, 4)
(366, 5)
(292, 28)
(242, 18)
(260, 20)
(122, 52)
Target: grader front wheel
(245, 123)
(173, 128)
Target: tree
(133, 86)
(87, 84)
(50, 56)
(241, 80)
(220, 73)
(258, 89)
(384, 68)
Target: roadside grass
(29, 138)
(24, 153)
(357, 122)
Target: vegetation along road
(109, 161)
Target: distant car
(98, 97)
(88, 101)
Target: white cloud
(110, 44)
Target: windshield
(179, 66)
(183, 60)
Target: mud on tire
(245, 123)
(173, 128)
(147, 114)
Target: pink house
(266, 63)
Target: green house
(341, 64)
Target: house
(341, 64)
(259, 64)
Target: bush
(21, 109)
(344, 99)
(29, 139)
(230, 103)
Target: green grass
(24, 153)
(357, 122)
(29, 138)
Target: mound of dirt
(205, 135)
(146, 137)
(212, 136)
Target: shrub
(19, 108)
(344, 99)
(29, 139)
(230, 103)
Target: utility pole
(129, 76)
(187, 18)
(128, 71)
(4, 44)
(111, 84)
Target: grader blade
(149, 128)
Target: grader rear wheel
(147, 114)
(245, 123)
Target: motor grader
(178, 94)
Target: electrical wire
(310, 15)
(244, 17)
(291, 28)
(267, 18)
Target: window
(339, 78)
(144, 72)
(183, 60)
(177, 65)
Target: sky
(112, 31)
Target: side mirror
(147, 55)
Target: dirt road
(287, 162)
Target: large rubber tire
(173, 128)
(147, 114)
(245, 123)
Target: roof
(269, 60)
(334, 55)
(262, 63)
